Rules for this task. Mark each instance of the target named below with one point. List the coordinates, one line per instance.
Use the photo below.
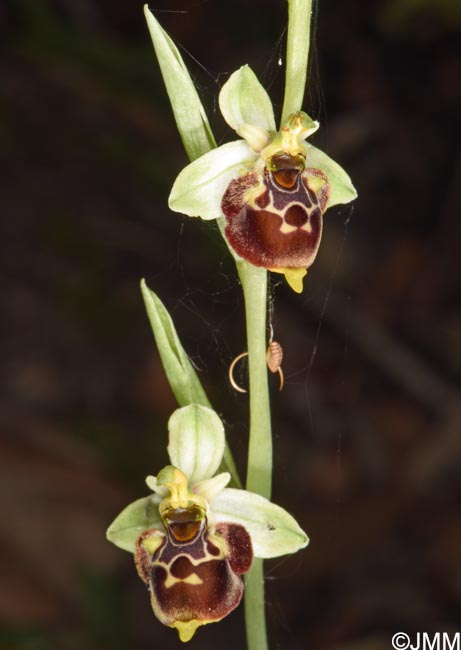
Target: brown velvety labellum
(196, 579)
(240, 548)
(275, 220)
(212, 594)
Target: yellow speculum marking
(152, 543)
(192, 579)
(286, 228)
(315, 183)
(250, 196)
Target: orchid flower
(271, 187)
(193, 537)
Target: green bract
(196, 445)
(183, 379)
(189, 113)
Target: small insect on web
(274, 358)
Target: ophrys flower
(271, 187)
(194, 537)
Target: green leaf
(272, 529)
(190, 116)
(341, 188)
(183, 379)
(134, 520)
(243, 101)
(199, 188)
(196, 442)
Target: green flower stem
(259, 470)
(254, 285)
(298, 41)
(255, 614)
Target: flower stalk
(254, 286)
(259, 468)
(298, 43)
(255, 609)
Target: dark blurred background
(368, 427)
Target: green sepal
(272, 529)
(341, 188)
(190, 116)
(199, 188)
(244, 102)
(137, 517)
(196, 442)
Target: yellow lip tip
(295, 278)
(186, 630)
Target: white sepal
(341, 188)
(272, 529)
(199, 188)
